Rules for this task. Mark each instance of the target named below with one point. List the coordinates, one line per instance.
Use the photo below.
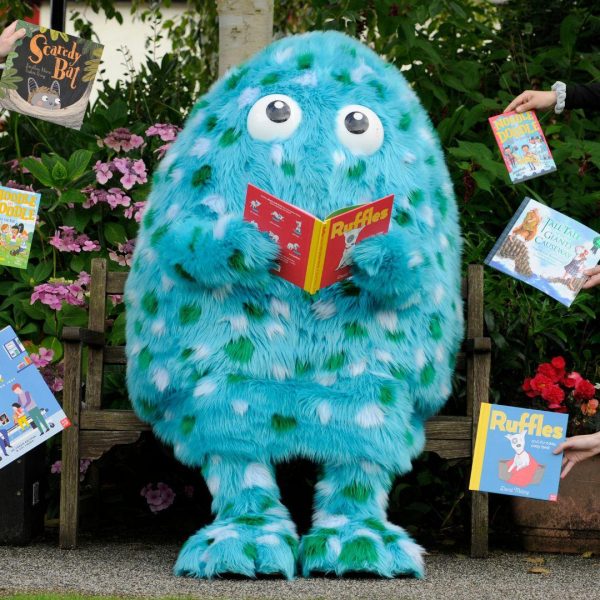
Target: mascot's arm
(213, 253)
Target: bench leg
(479, 525)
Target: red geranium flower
(549, 371)
(553, 394)
(527, 388)
(539, 382)
(584, 390)
(558, 362)
(571, 379)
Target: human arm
(572, 95)
(8, 38)
(594, 277)
(583, 96)
(577, 449)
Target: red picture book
(314, 253)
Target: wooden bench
(96, 430)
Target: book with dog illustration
(18, 211)
(49, 75)
(29, 413)
(514, 451)
(315, 253)
(547, 250)
(522, 144)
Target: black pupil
(356, 122)
(278, 111)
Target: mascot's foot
(360, 546)
(247, 545)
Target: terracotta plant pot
(572, 523)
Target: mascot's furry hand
(216, 253)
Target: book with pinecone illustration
(547, 250)
(49, 75)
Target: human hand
(594, 277)
(8, 38)
(577, 449)
(532, 100)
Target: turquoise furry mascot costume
(238, 369)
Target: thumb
(562, 447)
(529, 105)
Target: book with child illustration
(18, 212)
(522, 144)
(315, 253)
(49, 75)
(547, 250)
(29, 413)
(514, 451)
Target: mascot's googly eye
(359, 129)
(274, 117)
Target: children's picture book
(547, 250)
(522, 144)
(49, 75)
(29, 413)
(315, 253)
(18, 211)
(513, 451)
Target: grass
(44, 596)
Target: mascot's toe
(247, 545)
(365, 546)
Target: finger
(566, 470)
(529, 105)
(518, 100)
(16, 36)
(591, 282)
(11, 28)
(592, 271)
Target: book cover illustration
(547, 250)
(513, 452)
(314, 253)
(29, 413)
(49, 75)
(522, 144)
(18, 212)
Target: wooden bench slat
(450, 448)
(93, 444)
(115, 282)
(449, 428)
(111, 420)
(115, 355)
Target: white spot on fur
(240, 407)
(440, 353)
(384, 356)
(276, 527)
(326, 379)
(323, 519)
(324, 309)
(201, 352)
(248, 96)
(167, 283)
(426, 135)
(168, 160)
(135, 348)
(277, 511)
(324, 412)
(222, 292)
(216, 203)
(370, 416)
(173, 211)
(447, 189)
(169, 415)
(268, 540)
(324, 488)
(427, 215)
(334, 546)
(382, 500)
(338, 157)
(420, 358)
(277, 154)
(280, 308)
(257, 475)
(443, 241)
(216, 459)
(205, 388)
(283, 54)
(220, 226)
(224, 533)
(161, 379)
(412, 300)
(359, 72)
(239, 323)
(197, 119)
(201, 147)
(438, 294)
(409, 158)
(414, 551)
(158, 327)
(214, 483)
(177, 175)
(358, 368)
(148, 255)
(308, 79)
(370, 467)
(367, 533)
(415, 260)
(444, 390)
(274, 329)
(280, 372)
(388, 319)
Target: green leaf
(42, 272)
(78, 162)
(72, 197)
(53, 343)
(59, 173)
(114, 233)
(39, 171)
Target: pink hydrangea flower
(66, 240)
(15, 185)
(162, 150)
(133, 171)
(43, 357)
(165, 131)
(135, 211)
(57, 291)
(159, 497)
(56, 467)
(103, 171)
(116, 298)
(123, 255)
(122, 139)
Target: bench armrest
(83, 335)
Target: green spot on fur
(357, 492)
(379, 88)
(187, 424)
(416, 197)
(348, 288)
(428, 374)
(251, 551)
(148, 218)
(144, 359)
(405, 121)
(189, 314)
(358, 170)
(230, 137)
(358, 553)
(430, 160)
(305, 61)
(150, 303)
(314, 546)
(186, 353)
(211, 122)
(183, 273)
(282, 423)
(390, 538)
(254, 311)
(240, 350)
(395, 336)
(147, 411)
(355, 330)
(137, 327)
(402, 218)
(270, 79)
(302, 368)
(386, 395)
(292, 542)
(440, 260)
(236, 378)
(158, 234)
(375, 524)
(398, 372)
(328, 531)
(343, 77)
(268, 502)
(198, 375)
(235, 78)
(251, 520)
(409, 438)
(442, 202)
(335, 362)
(202, 176)
(435, 328)
(288, 168)
(237, 263)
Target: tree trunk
(245, 26)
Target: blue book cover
(513, 451)
(547, 250)
(29, 413)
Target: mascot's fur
(239, 369)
